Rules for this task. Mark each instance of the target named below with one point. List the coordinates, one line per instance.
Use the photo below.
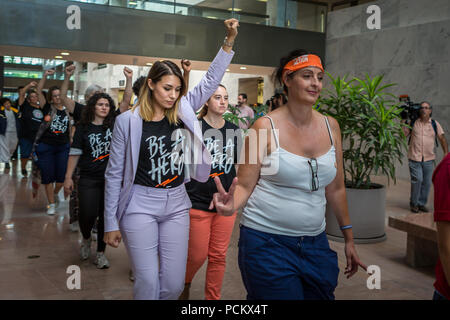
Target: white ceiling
(96, 57)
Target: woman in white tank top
(283, 249)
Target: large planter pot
(366, 208)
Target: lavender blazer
(126, 142)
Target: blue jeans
(438, 296)
(52, 161)
(278, 267)
(421, 174)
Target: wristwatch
(226, 43)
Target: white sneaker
(101, 261)
(74, 227)
(51, 209)
(57, 201)
(85, 250)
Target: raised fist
(128, 72)
(186, 65)
(231, 25)
(49, 72)
(70, 70)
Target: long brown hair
(204, 109)
(158, 70)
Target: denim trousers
(279, 267)
(438, 296)
(421, 174)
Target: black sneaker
(7, 166)
(414, 209)
(423, 209)
(24, 172)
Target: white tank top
(284, 202)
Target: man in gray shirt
(244, 111)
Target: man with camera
(424, 134)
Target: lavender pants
(155, 231)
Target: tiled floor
(26, 231)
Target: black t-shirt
(31, 119)
(58, 131)
(225, 154)
(77, 110)
(161, 163)
(93, 141)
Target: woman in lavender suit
(145, 198)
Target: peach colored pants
(209, 236)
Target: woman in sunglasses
(283, 249)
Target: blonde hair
(158, 70)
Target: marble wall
(412, 49)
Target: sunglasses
(314, 179)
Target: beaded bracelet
(346, 227)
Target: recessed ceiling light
(243, 68)
(149, 63)
(132, 3)
(58, 57)
(262, 0)
(235, 9)
(228, 70)
(65, 53)
(211, 17)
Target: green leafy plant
(233, 115)
(371, 127)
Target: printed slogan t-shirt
(58, 131)
(161, 163)
(31, 120)
(92, 143)
(223, 144)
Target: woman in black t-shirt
(209, 232)
(90, 150)
(31, 118)
(53, 145)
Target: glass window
(252, 11)
(14, 73)
(311, 17)
(295, 14)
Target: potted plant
(373, 142)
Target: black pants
(73, 203)
(91, 196)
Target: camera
(410, 110)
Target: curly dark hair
(88, 113)
(138, 84)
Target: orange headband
(307, 60)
